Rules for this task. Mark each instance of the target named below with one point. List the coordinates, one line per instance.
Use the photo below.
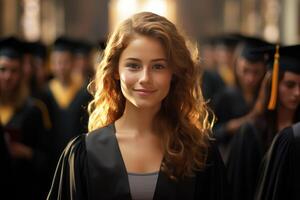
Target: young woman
(149, 131)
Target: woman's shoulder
(101, 135)
(99, 140)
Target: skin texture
(61, 63)
(249, 73)
(289, 91)
(10, 74)
(144, 73)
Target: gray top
(142, 186)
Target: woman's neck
(285, 118)
(136, 120)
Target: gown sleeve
(69, 181)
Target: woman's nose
(145, 75)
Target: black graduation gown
(280, 174)
(5, 166)
(228, 105)
(67, 123)
(212, 84)
(91, 167)
(26, 177)
(244, 161)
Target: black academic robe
(26, 177)
(91, 167)
(227, 105)
(212, 84)
(5, 166)
(67, 123)
(244, 161)
(280, 174)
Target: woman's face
(289, 90)
(144, 72)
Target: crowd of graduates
(43, 105)
(252, 87)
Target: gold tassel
(274, 89)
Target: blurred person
(285, 97)
(232, 105)
(66, 99)
(212, 83)
(255, 136)
(41, 74)
(149, 137)
(225, 46)
(24, 124)
(83, 63)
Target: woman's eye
(133, 66)
(159, 66)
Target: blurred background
(49, 50)
(274, 20)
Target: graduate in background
(268, 118)
(41, 73)
(83, 61)
(232, 105)
(24, 123)
(149, 134)
(66, 99)
(280, 109)
(211, 83)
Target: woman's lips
(144, 92)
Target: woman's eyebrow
(159, 59)
(135, 59)
(153, 60)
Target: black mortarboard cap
(11, 47)
(39, 50)
(249, 47)
(27, 47)
(289, 58)
(63, 43)
(82, 47)
(281, 58)
(228, 40)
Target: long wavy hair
(184, 118)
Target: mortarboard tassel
(273, 97)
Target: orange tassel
(274, 89)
